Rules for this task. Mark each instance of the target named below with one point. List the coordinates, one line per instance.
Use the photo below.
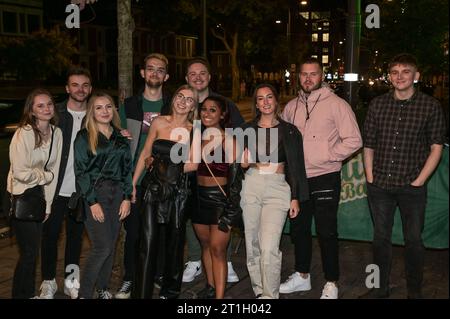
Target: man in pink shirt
(330, 135)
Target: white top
(27, 163)
(68, 183)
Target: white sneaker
(294, 283)
(71, 288)
(125, 290)
(192, 270)
(104, 294)
(330, 291)
(232, 275)
(48, 289)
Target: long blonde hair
(91, 124)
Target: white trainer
(71, 288)
(330, 291)
(232, 275)
(48, 289)
(192, 270)
(294, 283)
(125, 290)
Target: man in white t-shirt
(70, 113)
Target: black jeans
(103, 236)
(323, 204)
(50, 235)
(411, 202)
(28, 236)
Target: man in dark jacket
(71, 113)
(136, 116)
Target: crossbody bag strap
(213, 176)
(51, 147)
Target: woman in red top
(212, 179)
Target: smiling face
(198, 76)
(103, 110)
(43, 108)
(266, 101)
(402, 77)
(184, 102)
(79, 88)
(211, 114)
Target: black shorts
(211, 204)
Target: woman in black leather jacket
(165, 197)
(218, 188)
(275, 184)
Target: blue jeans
(411, 202)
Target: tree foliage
(38, 56)
(419, 27)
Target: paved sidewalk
(354, 257)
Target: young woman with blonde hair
(103, 175)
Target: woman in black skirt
(218, 185)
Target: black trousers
(50, 236)
(132, 226)
(323, 204)
(150, 241)
(28, 236)
(412, 203)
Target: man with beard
(137, 115)
(330, 135)
(70, 116)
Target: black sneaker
(208, 292)
(375, 293)
(104, 294)
(158, 282)
(125, 290)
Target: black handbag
(31, 204)
(76, 207)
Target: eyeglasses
(187, 100)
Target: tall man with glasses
(199, 76)
(404, 133)
(136, 115)
(330, 135)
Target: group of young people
(161, 160)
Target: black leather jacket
(233, 211)
(295, 164)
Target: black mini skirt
(210, 205)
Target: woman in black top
(103, 175)
(275, 183)
(165, 189)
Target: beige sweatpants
(265, 201)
